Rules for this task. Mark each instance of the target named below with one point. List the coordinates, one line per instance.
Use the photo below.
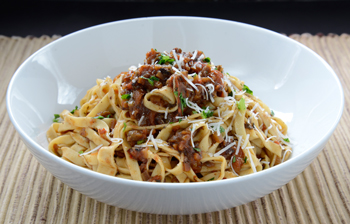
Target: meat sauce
(158, 72)
(181, 141)
(238, 160)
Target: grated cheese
(269, 138)
(194, 55)
(211, 89)
(224, 149)
(267, 129)
(166, 113)
(284, 155)
(205, 89)
(92, 150)
(192, 131)
(246, 141)
(255, 106)
(251, 161)
(140, 121)
(239, 143)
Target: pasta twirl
(176, 118)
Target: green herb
(165, 59)
(180, 120)
(56, 117)
(228, 73)
(155, 49)
(286, 139)
(216, 68)
(230, 94)
(126, 96)
(140, 142)
(207, 59)
(99, 117)
(195, 75)
(211, 179)
(247, 90)
(176, 93)
(234, 159)
(81, 152)
(272, 113)
(108, 116)
(222, 130)
(194, 112)
(76, 108)
(124, 126)
(183, 102)
(197, 149)
(171, 122)
(207, 113)
(151, 80)
(241, 104)
(245, 159)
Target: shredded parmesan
(192, 131)
(140, 121)
(224, 149)
(211, 89)
(246, 141)
(284, 155)
(92, 150)
(267, 129)
(194, 55)
(251, 161)
(270, 138)
(255, 106)
(239, 143)
(205, 89)
(166, 113)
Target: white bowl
(290, 78)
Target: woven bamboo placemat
(29, 194)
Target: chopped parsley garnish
(222, 130)
(228, 73)
(241, 104)
(234, 159)
(247, 90)
(207, 59)
(183, 102)
(76, 108)
(272, 113)
(81, 152)
(140, 142)
(216, 68)
(124, 126)
(155, 49)
(99, 117)
(56, 117)
(207, 113)
(245, 159)
(195, 75)
(126, 96)
(165, 59)
(211, 179)
(171, 122)
(286, 139)
(230, 94)
(197, 149)
(180, 120)
(108, 116)
(151, 80)
(176, 93)
(194, 112)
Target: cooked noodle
(177, 118)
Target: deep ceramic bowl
(291, 79)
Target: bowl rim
(191, 185)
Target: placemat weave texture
(29, 194)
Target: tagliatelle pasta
(176, 118)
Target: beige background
(29, 194)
